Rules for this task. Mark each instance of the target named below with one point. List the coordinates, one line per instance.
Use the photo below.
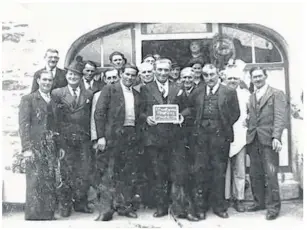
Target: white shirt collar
(86, 83)
(164, 86)
(260, 92)
(214, 89)
(125, 87)
(53, 70)
(72, 91)
(190, 90)
(45, 96)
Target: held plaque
(166, 113)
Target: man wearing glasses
(59, 79)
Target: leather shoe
(65, 212)
(222, 214)
(238, 206)
(254, 208)
(191, 217)
(107, 216)
(201, 216)
(84, 209)
(271, 215)
(160, 213)
(131, 214)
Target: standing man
(74, 112)
(215, 108)
(88, 82)
(267, 120)
(116, 117)
(160, 140)
(111, 76)
(235, 175)
(38, 126)
(51, 59)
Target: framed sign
(166, 113)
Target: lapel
(53, 105)
(201, 99)
(155, 92)
(172, 92)
(120, 95)
(221, 97)
(266, 96)
(253, 100)
(68, 98)
(41, 103)
(136, 102)
(82, 98)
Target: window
(120, 41)
(265, 51)
(173, 28)
(91, 52)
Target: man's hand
(28, 155)
(101, 143)
(276, 145)
(181, 119)
(151, 121)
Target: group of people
(78, 131)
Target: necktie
(75, 102)
(89, 84)
(211, 92)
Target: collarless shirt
(214, 89)
(163, 87)
(260, 92)
(45, 96)
(129, 105)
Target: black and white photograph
(152, 115)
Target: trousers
(235, 176)
(263, 175)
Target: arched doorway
(255, 44)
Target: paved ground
(291, 216)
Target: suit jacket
(228, 105)
(33, 119)
(269, 120)
(58, 82)
(74, 121)
(160, 134)
(97, 85)
(110, 113)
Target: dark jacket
(269, 120)
(228, 105)
(110, 113)
(58, 82)
(74, 122)
(97, 85)
(33, 119)
(160, 134)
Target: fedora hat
(76, 67)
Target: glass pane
(171, 28)
(120, 41)
(242, 41)
(265, 51)
(91, 52)
(177, 50)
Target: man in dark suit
(267, 120)
(38, 126)
(59, 80)
(161, 140)
(88, 82)
(74, 112)
(117, 121)
(215, 109)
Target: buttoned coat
(228, 106)
(268, 119)
(160, 134)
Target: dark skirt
(41, 181)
